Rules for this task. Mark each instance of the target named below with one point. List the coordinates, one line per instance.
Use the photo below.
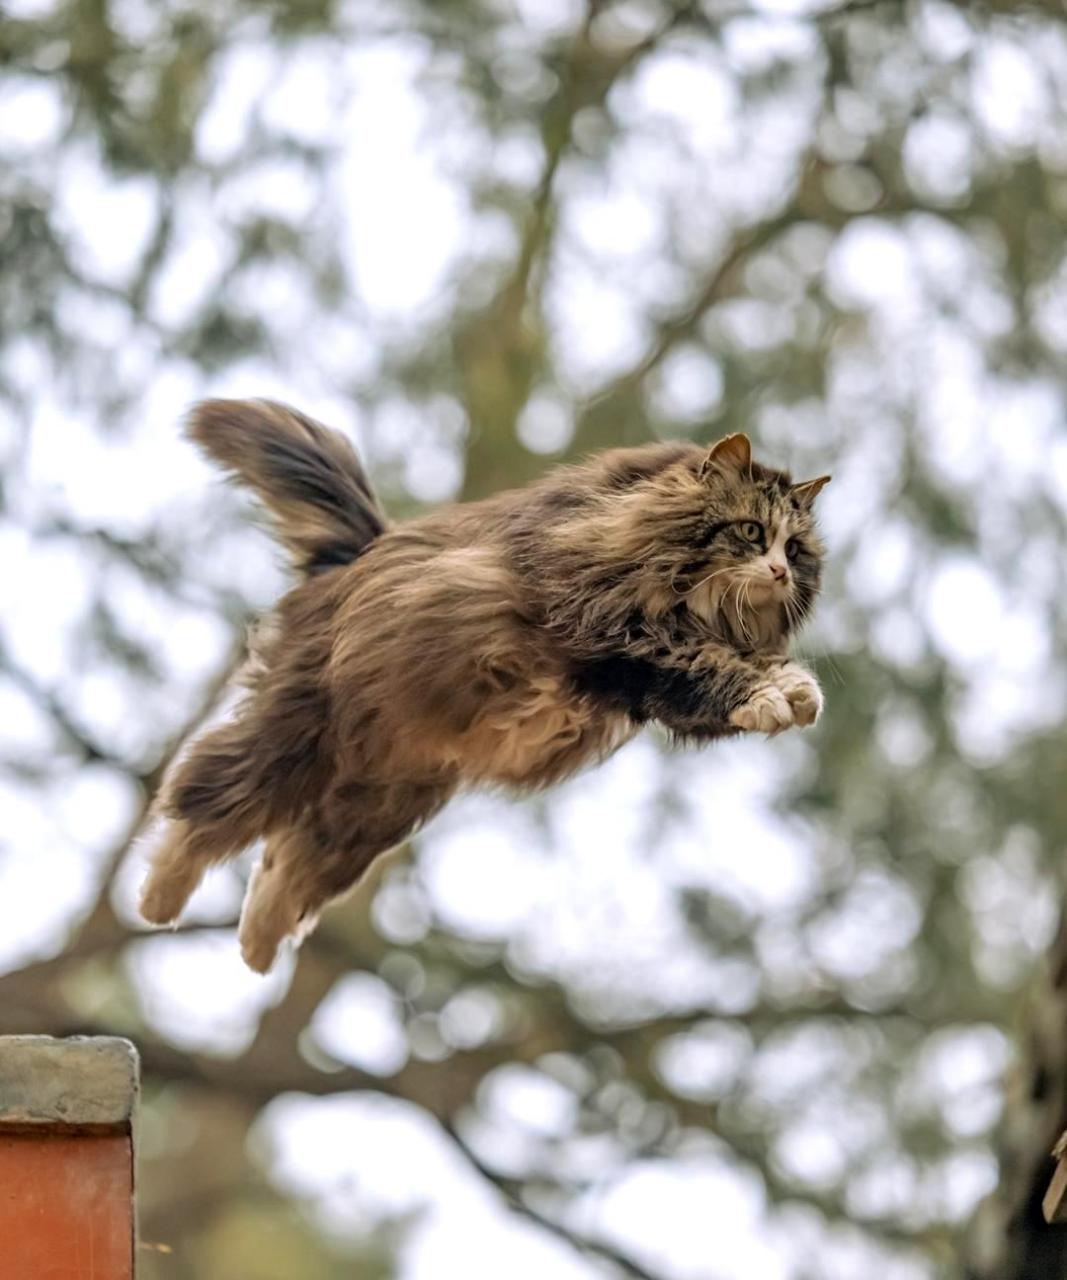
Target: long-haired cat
(509, 641)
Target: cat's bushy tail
(309, 477)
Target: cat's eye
(792, 549)
(751, 531)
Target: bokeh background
(772, 1010)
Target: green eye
(792, 549)
(751, 531)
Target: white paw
(802, 692)
(767, 711)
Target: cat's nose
(779, 572)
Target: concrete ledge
(67, 1085)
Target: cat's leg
(714, 691)
(765, 710)
(321, 857)
(788, 695)
(181, 855)
(274, 898)
(210, 813)
(237, 782)
(211, 810)
(801, 691)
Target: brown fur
(509, 642)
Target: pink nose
(778, 571)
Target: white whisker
(742, 587)
(748, 605)
(813, 654)
(714, 574)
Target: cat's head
(675, 528)
(755, 551)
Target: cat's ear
(731, 453)
(808, 490)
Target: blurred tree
(495, 234)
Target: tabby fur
(507, 642)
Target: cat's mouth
(768, 589)
(737, 595)
(752, 599)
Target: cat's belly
(538, 734)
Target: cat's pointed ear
(731, 453)
(808, 490)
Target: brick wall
(66, 1158)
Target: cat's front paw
(802, 692)
(768, 710)
(793, 697)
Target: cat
(504, 642)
